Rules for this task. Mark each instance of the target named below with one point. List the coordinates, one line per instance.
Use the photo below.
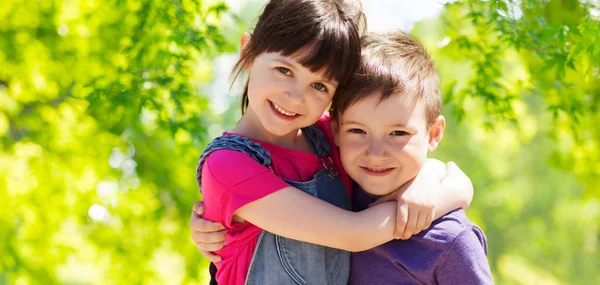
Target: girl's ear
(244, 41)
(436, 132)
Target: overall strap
(237, 143)
(321, 148)
(317, 140)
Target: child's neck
(250, 126)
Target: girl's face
(284, 95)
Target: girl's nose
(294, 96)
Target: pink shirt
(232, 179)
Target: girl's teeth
(282, 111)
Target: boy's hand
(208, 236)
(417, 200)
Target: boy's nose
(376, 150)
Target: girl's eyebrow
(285, 61)
(295, 66)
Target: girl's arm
(290, 212)
(437, 190)
(294, 214)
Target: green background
(105, 108)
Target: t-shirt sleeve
(465, 261)
(232, 179)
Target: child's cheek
(350, 146)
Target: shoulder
(448, 229)
(231, 167)
(229, 159)
(324, 123)
(465, 256)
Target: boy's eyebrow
(344, 122)
(350, 122)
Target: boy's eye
(320, 86)
(284, 70)
(356, 131)
(399, 133)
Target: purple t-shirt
(452, 251)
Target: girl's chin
(279, 130)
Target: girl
(274, 182)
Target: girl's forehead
(296, 60)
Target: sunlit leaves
(528, 72)
(101, 123)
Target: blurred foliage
(105, 106)
(101, 125)
(521, 83)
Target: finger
(198, 224)
(401, 219)
(199, 208)
(211, 256)
(210, 246)
(421, 223)
(429, 219)
(413, 215)
(211, 237)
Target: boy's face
(384, 144)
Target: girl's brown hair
(326, 31)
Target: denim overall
(278, 260)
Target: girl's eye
(320, 86)
(356, 131)
(399, 133)
(284, 70)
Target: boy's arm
(465, 261)
(207, 236)
(294, 214)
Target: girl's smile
(287, 115)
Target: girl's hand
(437, 190)
(208, 236)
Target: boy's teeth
(282, 111)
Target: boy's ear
(335, 130)
(436, 132)
(244, 40)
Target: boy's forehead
(395, 108)
(378, 100)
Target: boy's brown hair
(392, 63)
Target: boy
(385, 121)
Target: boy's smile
(383, 144)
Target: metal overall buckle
(332, 171)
